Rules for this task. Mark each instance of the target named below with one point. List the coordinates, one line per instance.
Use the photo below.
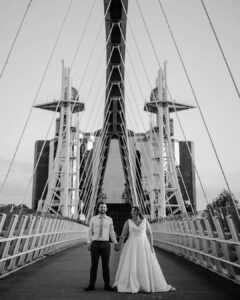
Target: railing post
(46, 237)
(182, 239)
(234, 233)
(6, 245)
(2, 221)
(177, 250)
(53, 236)
(41, 238)
(20, 231)
(224, 246)
(196, 241)
(32, 220)
(191, 244)
(59, 228)
(33, 240)
(214, 244)
(204, 242)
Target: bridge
(43, 253)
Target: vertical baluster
(2, 221)
(179, 237)
(19, 232)
(174, 237)
(184, 231)
(224, 246)
(204, 242)
(53, 236)
(32, 241)
(44, 227)
(196, 241)
(167, 236)
(65, 234)
(191, 244)
(60, 224)
(214, 245)
(235, 234)
(28, 232)
(6, 245)
(47, 237)
(68, 235)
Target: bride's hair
(138, 210)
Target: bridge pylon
(114, 124)
(165, 193)
(64, 153)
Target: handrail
(205, 240)
(29, 238)
(205, 254)
(32, 235)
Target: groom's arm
(112, 232)
(90, 233)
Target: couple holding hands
(138, 268)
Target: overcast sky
(201, 55)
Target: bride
(138, 268)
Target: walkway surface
(65, 275)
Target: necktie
(101, 227)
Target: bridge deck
(64, 276)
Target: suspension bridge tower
(64, 153)
(114, 125)
(165, 193)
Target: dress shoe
(89, 288)
(109, 288)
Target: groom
(100, 229)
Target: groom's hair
(100, 203)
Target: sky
(207, 71)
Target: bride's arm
(123, 235)
(149, 234)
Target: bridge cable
(173, 101)
(35, 98)
(78, 124)
(79, 88)
(15, 39)
(144, 146)
(141, 198)
(134, 97)
(98, 144)
(51, 174)
(53, 117)
(221, 49)
(195, 97)
(132, 90)
(64, 167)
(88, 177)
(76, 52)
(151, 86)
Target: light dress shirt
(107, 229)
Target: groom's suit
(100, 229)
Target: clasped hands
(117, 247)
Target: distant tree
(224, 199)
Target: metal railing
(28, 238)
(210, 241)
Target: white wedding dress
(138, 268)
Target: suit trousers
(100, 249)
